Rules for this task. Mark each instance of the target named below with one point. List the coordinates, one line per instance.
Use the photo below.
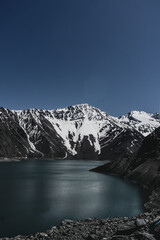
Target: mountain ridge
(78, 131)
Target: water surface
(36, 195)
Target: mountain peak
(80, 111)
(142, 121)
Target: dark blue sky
(56, 53)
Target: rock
(140, 222)
(147, 214)
(67, 221)
(91, 237)
(102, 221)
(126, 228)
(156, 219)
(53, 230)
(88, 220)
(119, 237)
(147, 236)
(19, 237)
(42, 235)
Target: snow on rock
(143, 122)
(66, 131)
(73, 123)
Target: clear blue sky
(56, 53)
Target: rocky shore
(127, 228)
(138, 227)
(123, 228)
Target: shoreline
(18, 159)
(133, 228)
(112, 228)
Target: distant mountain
(143, 122)
(75, 132)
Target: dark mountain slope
(13, 140)
(144, 167)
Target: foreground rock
(105, 229)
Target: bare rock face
(147, 174)
(125, 144)
(144, 167)
(13, 140)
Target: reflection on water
(35, 195)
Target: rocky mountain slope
(79, 132)
(144, 167)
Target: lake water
(36, 195)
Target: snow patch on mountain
(76, 122)
(143, 122)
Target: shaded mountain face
(76, 132)
(151, 146)
(144, 167)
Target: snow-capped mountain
(143, 122)
(75, 132)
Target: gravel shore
(133, 228)
(126, 228)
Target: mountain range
(75, 132)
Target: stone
(91, 237)
(147, 236)
(119, 237)
(102, 221)
(140, 222)
(67, 221)
(42, 235)
(156, 219)
(88, 220)
(127, 228)
(53, 230)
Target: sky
(57, 53)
